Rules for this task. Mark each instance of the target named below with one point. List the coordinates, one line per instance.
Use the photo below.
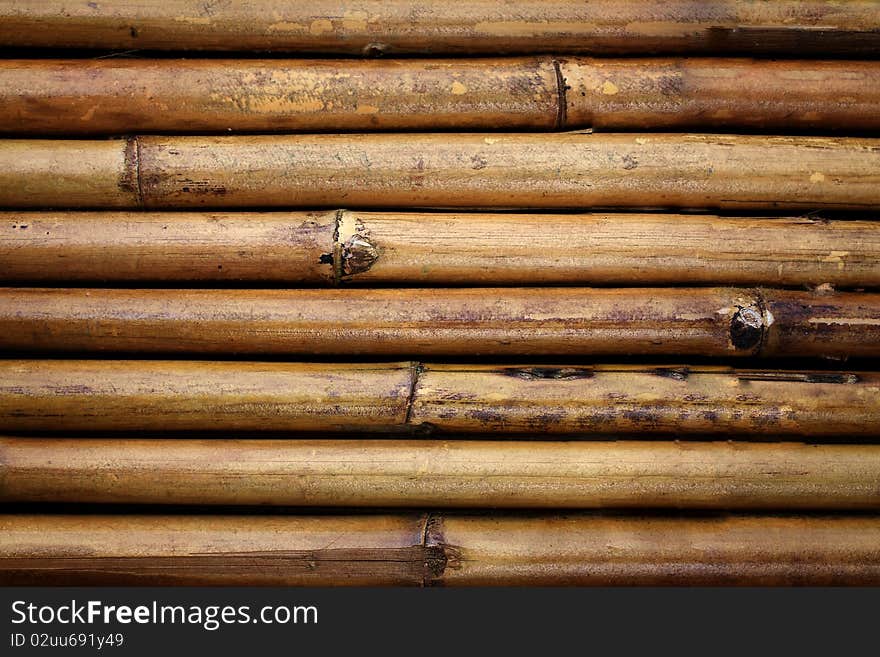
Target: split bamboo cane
(370, 248)
(450, 321)
(375, 27)
(571, 170)
(69, 395)
(438, 550)
(117, 96)
(441, 474)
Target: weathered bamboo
(289, 550)
(347, 247)
(375, 27)
(70, 395)
(118, 96)
(441, 474)
(451, 321)
(573, 170)
(438, 550)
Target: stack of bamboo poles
(595, 221)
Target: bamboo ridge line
(376, 27)
(117, 96)
(569, 170)
(438, 549)
(90, 395)
(441, 474)
(399, 248)
(450, 321)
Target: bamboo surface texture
(438, 549)
(441, 474)
(375, 27)
(70, 395)
(450, 321)
(382, 248)
(118, 96)
(571, 170)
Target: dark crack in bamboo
(438, 549)
(570, 170)
(121, 96)
(400, 248)
(426, 473)
(96, 395)
(377, 27)
(443, 322)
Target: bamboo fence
(581, 214)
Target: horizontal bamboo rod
(70, 395)
(118, 96)
(438, 549)
(392, 248)
(447, 321)
(441, 474)
(376, 27)
(573, 170)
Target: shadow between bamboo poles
(70, 395)
(119, 96)
(372, 28)
(437, 248)
(570, 170)
(440, 474)
(438, 549)
(443, 322)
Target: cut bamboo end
(441, 474)
(400, 248)
(452, 321)
(375, 27)
(438, 549)
(68, 395)
(118, 96)
(571, 170)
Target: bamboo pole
(441, 474)
(375, 27)
(118, 96)
(438, 550)
(392, 248)
(70, 395)
(451, 321)
(572, 170)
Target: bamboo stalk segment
(370, 248)
(658, 551)
(451, 321)
(375, 27)
(441, 474)
(118, 96)
(213, 550)
(571, 170)
(113, 96)
(69, 173)
(438, 550)
(192, 395)
(282, 247)
(68, 395)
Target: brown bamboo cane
(374, 27)
(392, 248)
(70, 395)
(443, 322)
(441, 474)
(119, 96)
(438, 549)
(571, 170)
